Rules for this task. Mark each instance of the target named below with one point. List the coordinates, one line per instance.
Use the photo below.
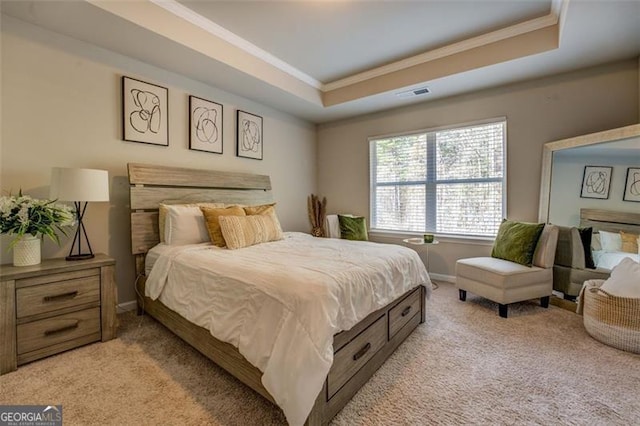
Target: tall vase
(27, 251)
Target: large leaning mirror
(591, 188)
(589, 172)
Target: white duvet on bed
(607, 260)
(280, 303)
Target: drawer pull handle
(361, 352)
(61, 329)
(63, 296)
(406, 311)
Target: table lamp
(80, 186)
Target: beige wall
(537, 112)
(61, 106)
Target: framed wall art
(205, 125)
(145, 112)
(632, 185)
(249, 135)
(596, 182)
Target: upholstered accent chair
(569, 270)
(506, 282)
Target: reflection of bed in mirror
(627, 223)
(576, 245)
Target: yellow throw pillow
(263, 209)
(247, 231)
(629, 242)
(163, 209)
(212, 220)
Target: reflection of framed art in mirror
(632, 185)
(596, 182)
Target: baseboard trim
(442, 277)
(126, 306)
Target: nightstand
(420, 242)
(55, 306)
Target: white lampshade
(79, 184)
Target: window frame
(372, 175)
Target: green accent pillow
(516, 241)
(353, 228)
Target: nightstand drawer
(58, 295)
(51, 331)
(403, 312)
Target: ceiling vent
(413, 92)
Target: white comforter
(608, 260)
(280, 303)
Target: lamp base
(80, 256)
(80, 209)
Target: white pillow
(595, 242)
(162, 212)
(624, 280)
(610, 241)
(332, 226)
(185, 225)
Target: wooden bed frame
(611, 221)
(358, 352)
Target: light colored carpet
(466, 365)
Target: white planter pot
(27, 251)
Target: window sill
(398, 236)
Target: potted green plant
(29, 219)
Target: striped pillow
(245, 231)
(629, 242)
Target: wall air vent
(413, 92)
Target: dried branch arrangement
(317, 213)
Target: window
(448, 181)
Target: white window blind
(448, 181)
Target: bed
(356, 352)
(570, 270)
(614, 222)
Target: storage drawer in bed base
(346, 392)
(356, 348)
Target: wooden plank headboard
(152, 184)
(607, 220)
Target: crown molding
(212, 28)
(177, 22)
(451, 49)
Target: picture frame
(145, 112)
(249, 135)
(205, 125)
(632, 185)
(596, 182)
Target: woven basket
(612, 320)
